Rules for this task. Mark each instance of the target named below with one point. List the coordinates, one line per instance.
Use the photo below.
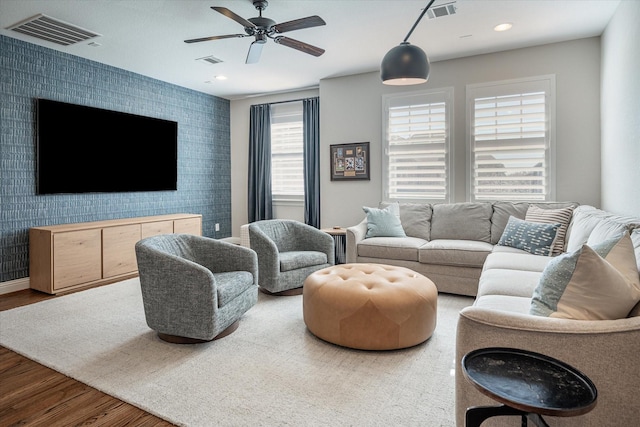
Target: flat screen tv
(90, 150)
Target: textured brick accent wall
(27, 72)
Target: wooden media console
(66, 257)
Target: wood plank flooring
(34, 395)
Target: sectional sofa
(463, 249)
(446, 242)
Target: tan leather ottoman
(370, 306)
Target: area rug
(271, 372)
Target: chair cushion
(231, 284)
(294, 260)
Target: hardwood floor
(34, 395)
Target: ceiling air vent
(441, 10)
(209, 60)
(52, 30)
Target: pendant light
(406, 64)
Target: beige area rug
(271, 372)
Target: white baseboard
(14, 285)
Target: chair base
(175, 339)
(287, 293)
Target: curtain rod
(284, 102)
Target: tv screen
(90, 150)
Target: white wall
(240, 159)
(351, 111)
(621, 111)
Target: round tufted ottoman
(370, 306)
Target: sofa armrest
(605, 350)
(355, 234)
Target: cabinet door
(188, 226)
(154, 228)
(118, 249)
(76, 258)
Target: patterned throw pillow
(560, 216)
(384, 222)
(591, 283)
(533, 237)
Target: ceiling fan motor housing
(260, 4)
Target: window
(417, 146)
(287, 181)
(511, 133)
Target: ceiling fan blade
(255, 50)
(204, 39)
(301, 46)
(239, 19)
(298, 24)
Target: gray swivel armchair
(289, 251)
(195, 289)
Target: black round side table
(527, 384)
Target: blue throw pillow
(384, 222)
(534, 237)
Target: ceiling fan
(262, 28)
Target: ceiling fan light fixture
(405, 64)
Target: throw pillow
(599, 283)
(552, 216)
(533, 237)
(384, 222)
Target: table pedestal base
(476, 415)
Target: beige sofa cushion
(516, 261)
(463, 253)
(462, 221)
(415, 218)
(401, 248)
(508, 282)
(508, 303)
(501, 213)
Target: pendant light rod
(419, 18)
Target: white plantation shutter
(510, 139)
(286, 149)
(417, 147)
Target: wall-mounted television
(84, 149)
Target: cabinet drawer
(188, 226)
(76, 258)
(154, 228)
(118, 249)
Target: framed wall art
(349, 161)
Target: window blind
(417, 150)
(286, 150)
(510, 146)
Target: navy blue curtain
(260, 200)
(311, 154)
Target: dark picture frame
(349, 161)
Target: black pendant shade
(406, 64)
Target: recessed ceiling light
(503, 27)
(212, 81)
